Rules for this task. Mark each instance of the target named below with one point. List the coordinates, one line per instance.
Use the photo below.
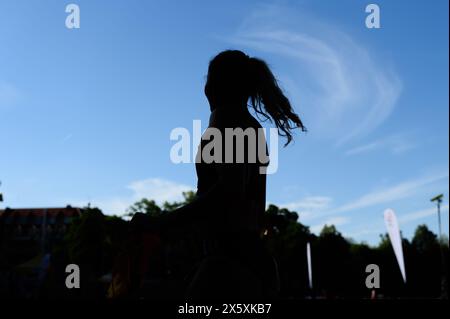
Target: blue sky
(86, 114)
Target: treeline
(338, 264)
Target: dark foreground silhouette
(231, 195)
(221, 243)
(155, 269)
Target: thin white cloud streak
(311, 202)
(421, 214)
(364, 148)
(386, 195)
(342, 91)
(314, 207)
(396, 144)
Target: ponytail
(268, 100)
(234, 77)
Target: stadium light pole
(438, 200)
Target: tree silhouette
(150, 207)
(146, 206)
(94, 240)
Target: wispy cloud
(307, 206)
(158, 189)
(341, 90)
(315, 207)
(421, 214)
(395, 144)
(389, 194)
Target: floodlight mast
(438, 199)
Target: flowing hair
(233, 75)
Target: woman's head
(234, 78)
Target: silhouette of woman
(231, 195)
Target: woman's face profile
(225, 82)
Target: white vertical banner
(394, 235)
(308, 257)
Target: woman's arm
(229, 190)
